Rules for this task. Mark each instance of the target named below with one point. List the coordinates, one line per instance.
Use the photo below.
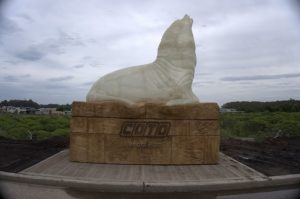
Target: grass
(36, 126)
(247, 125)
(259, 125)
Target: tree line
(33, 104)
(256, 106)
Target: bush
(260, 125)
(40, 126)
(19, 133)
(61, 132)
(41, 134)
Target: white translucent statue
(167, 80)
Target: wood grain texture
(96, 148)
(191, 111)
(112, 132)
(79, 124)
(137, 150)
(212, 147)
(119, 110)
(87, 147)
(188, 150)
(79, 147)
(204, 127)
(105, 125)
(113, 109)
(84, 109)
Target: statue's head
(187, 20)
(177, 44)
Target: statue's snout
(187, 19)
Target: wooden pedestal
(112, 132)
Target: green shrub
(260, 124)
(41, 134)
(17, 133)
(40, 126)
(61, 132)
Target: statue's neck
(179, 64)
(181, 74)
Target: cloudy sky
(52, 51)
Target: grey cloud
(197, 84)
(41, 93)
(33, 53)
(95, 64)
(10, 78)
(11, 92)
(26, 17)
(13, 62)
(204, 82)
(63, 78)
(87, 57)
(87, 83)
(296, 6)
(261, 77)
(66, 39)
(202, 74)
(246, 83)
(8, 26)
(37, 52)
(25, 76)
(55, 86)
(79, 66)
(15, 78)
(262, 43)
(50, 46)
(282, 49)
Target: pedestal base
(112, 132)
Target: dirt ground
(273, 156)
(16, 155)
(278, 156)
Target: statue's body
(167, 80)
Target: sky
(52, 51)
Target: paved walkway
(57, 177)
(147, 178)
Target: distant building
(230, 110)
(21, 110)
(26, 110)
(58, 113)
(68, 113)
(11, 109)
(31, 110)
(45, 111)
(18, 110)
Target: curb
(71, 183)
(269, 184)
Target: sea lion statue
(167, 80)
